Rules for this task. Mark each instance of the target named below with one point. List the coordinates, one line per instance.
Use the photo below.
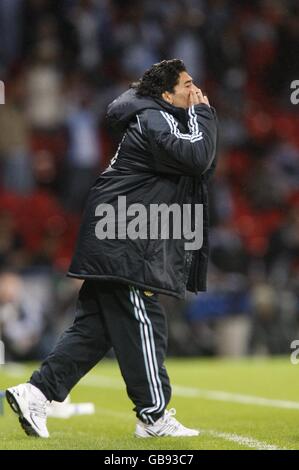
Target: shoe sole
(148, 436)
(26, 426)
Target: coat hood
(124, 108)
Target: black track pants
(114, 315)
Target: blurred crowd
(62, 62)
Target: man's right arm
(175, 152)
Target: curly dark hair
(161, 77)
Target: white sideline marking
(13, 369)
(215, 395)
(240, 440)
(219, 395)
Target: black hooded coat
(166, 156)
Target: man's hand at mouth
(197, 97)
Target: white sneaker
(30, 404)
(166, 426)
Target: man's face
(180, 97)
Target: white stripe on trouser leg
(151, 352)
(143, 342)
(149, 358)
(143, 335)
(152, 359)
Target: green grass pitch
(237, 404)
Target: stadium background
(62, 62)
